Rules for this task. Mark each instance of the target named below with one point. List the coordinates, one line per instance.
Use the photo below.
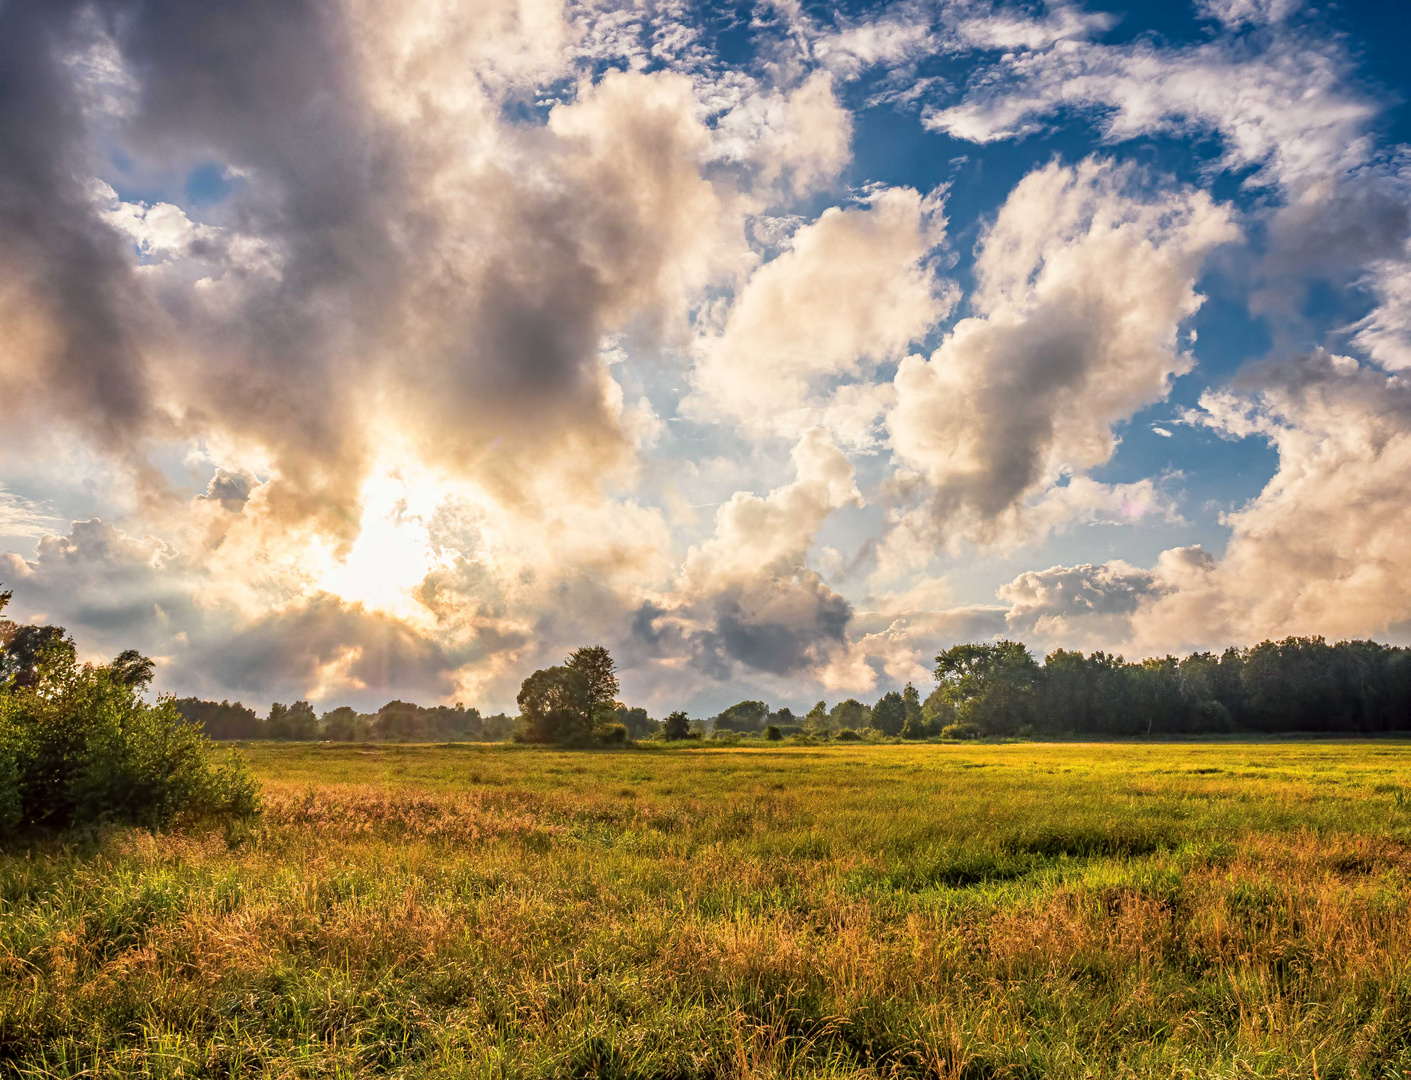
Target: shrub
(772, 733)
(676, 726)
(79, 746)
(612, 734)
(960, 731)
(847, 734)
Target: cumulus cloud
(1083, 283)
(420, 359)
(853, 289)
(747, 596)
(1077, 606)
(1320, 550)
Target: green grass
(1020, 910)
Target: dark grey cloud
(781, 628)
(72, 312)
(461, 302)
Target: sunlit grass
(1026, 910)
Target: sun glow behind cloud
(393, 553)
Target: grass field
(979, 911)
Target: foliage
(963, 910)
(340, 724)
(818, 721)
(133, 669)
(676, 726)
(989, 686)
(24, 646)
(849, 714)
(80, 746)
(889, 714)
(638, 724)
(557, 707)
(220, 720)
(914, 724)
(743, 716)
(598, 670)
(297, 722)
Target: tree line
(1299, 684)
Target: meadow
(1024, 910)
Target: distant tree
(451, 723)
(399, 721)
(818, 722)
(557, 706)
(340, 724)
(276, 723)
(499, 727)
(784, 717)
(133, 669)
(743, 716)
(598, 671)
(638, 724)
(889, 714)
(676, 726)
(295, 723)
(991, 687)
(221, 720)
(914, 727)
(850, 714)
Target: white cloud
(1083, 282)
(854, 289)
(1082, 606)
(1281, 102)
(1322, 549)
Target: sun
(393, 553)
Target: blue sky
(366, 351)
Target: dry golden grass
(1070, 911)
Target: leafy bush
(772, 733)
(79, 746)
(960, 730)
(676, 726)
(847, 734)
(612, 734)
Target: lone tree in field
(677, 726)
(599, 672)
(557, 706)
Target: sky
(354, 350)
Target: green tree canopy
(557, 706)
(889, 714)
(133, 669)
(743, 716)
(990, 686)
(676, 726)
(599, 672)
